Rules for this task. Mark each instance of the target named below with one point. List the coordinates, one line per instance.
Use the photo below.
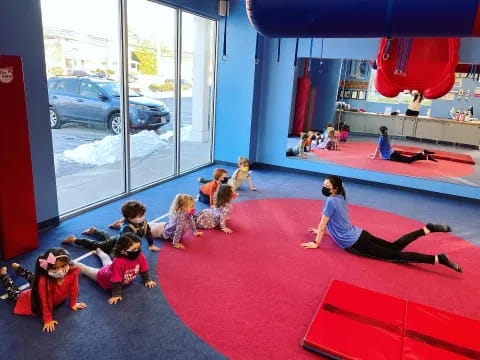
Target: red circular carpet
(253, 293)
(355, 154)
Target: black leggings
(104, 241)
(12, 290)
(396, 156)
(375, 248)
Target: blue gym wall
(235, 87)
(275, 105)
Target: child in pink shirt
(127, 264)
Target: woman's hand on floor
(310, 245)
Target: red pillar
(18, 223)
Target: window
(88, 89)
(68, 86)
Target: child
(328, 142)
(180, 218)
(217, 216)
(55, 279)
(128, 262)
(133, 222)
(206, 192)
(241, 174)
(300, 148)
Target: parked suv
(97, 101)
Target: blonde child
(218, 215)
(54, 280)
(127, 264)
(206, 192)
(241, 175)
(180, 219)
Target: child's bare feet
(69, 240)
(3, 271)
(116, 225)
(179, 246)
(15, 266)
(89, 231)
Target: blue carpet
(143, 326)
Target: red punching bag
(18, 223)
(301, 102)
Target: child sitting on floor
(206, 192)
(241, 175)
(218, 215)
(180, 219)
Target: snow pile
(109, 149)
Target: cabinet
(429, 129)
(409, 124)
(461, 133)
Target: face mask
(59, 274)
(244, 168)
(326, 191)
(191, 211)
(138, 221)
(132, 255)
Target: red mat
(251, 294)
(356, 323)
(355, 154)
(443, 155)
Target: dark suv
(97, 101)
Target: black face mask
(132, 255)
(326, 191)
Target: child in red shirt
(55, 279)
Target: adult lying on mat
(357, 241)
(387, 153)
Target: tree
(148, 61)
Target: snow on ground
(109, 149)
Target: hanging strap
(320, 69)
(257, 60)
(296, 53)
(278, 49)
(225, 57)
(388, 20)
(310, 57)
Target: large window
(197, 90)
(81, 54)
(168, 54)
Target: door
(92, 102)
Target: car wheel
(115, 123)
(55, 122)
